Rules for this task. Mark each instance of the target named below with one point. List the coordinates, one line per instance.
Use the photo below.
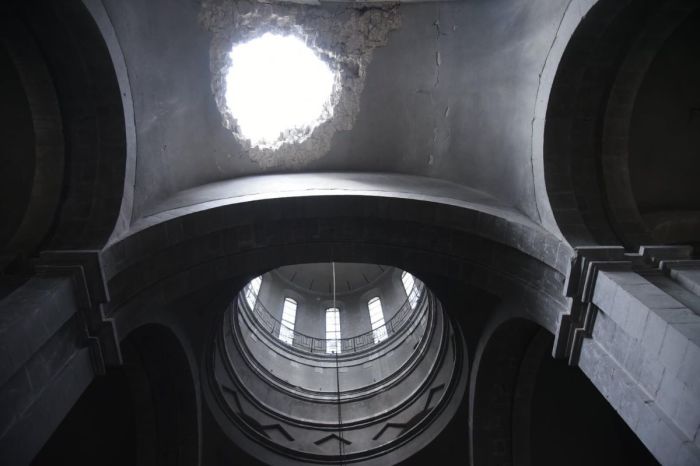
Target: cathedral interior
(340, 232)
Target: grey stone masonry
(29, 317)
(640, 345)
(45, 363)
(85, 269)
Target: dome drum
(279, 400)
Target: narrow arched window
(289, 315)
(333, 330)
(251, 291)
(376, 318)
(409, 284)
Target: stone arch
(238, 241)
(143, 412)
(534, 409)
(74, 160)
(587, 121)
(108, 408)
(494, 380)
(163, 390)
(193, 264)
(32, 177)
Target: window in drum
(376, 317)
(333, 330)
(289, 315)
(251, 291)
(409, 284)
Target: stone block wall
(643, 353)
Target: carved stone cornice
(581, 281)
(85, 269)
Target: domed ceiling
(448, 93)
(318, 278)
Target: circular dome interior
(361, 300)
(345, 360)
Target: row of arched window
(333, 336)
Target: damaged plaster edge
(344, 37)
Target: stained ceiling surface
(449, 96)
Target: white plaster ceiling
(451, 96)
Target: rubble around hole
(343, 36)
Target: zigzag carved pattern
(234, 393)
(432, 393)
(331, 437)
(396, 425)
(415, 419)
(254, 423)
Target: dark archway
(99, 429)
(164, 396)
(31, 181)
(535, 410)
(664, 139)
(144, 412)
(568, 414)
(624, 77)
(64, 126)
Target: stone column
(634, 330)
(53, 342)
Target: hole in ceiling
(278, 90)
(341, 39)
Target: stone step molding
(634, 330)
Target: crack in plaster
(438, 33)
(534, 111)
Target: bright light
(278, 90)
(333, 343)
